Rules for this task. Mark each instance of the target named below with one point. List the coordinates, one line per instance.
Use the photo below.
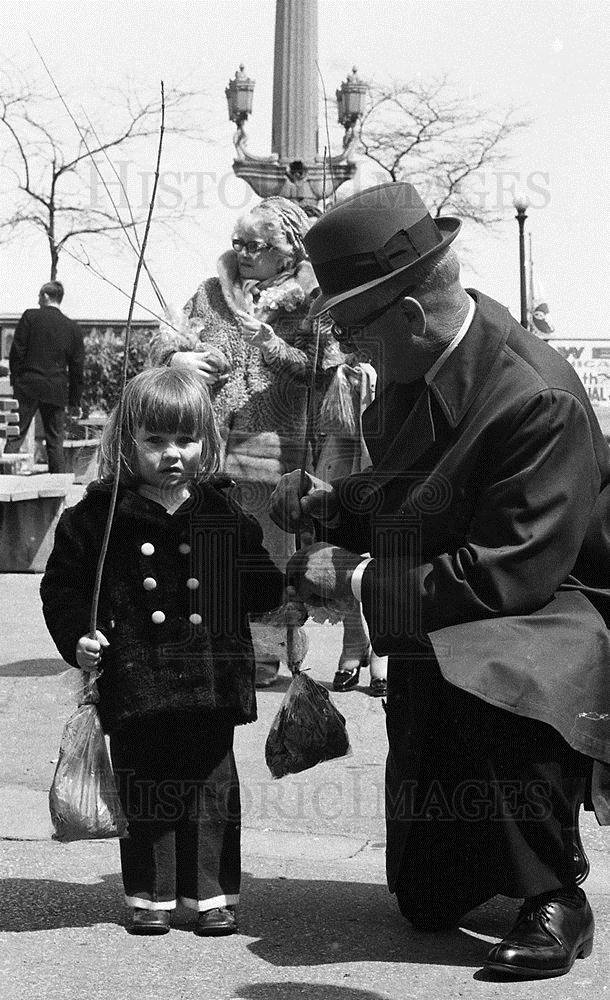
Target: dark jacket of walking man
(46, 367)
(488, 469)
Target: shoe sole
(521, 972)
(148, 931)
(217, 932)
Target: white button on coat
(158, 617)
(184, 548)
(147, 549)
(149, 583)
(192, 583)
(195, 619)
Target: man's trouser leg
(27, 412)
(493, 809)
(53, 421)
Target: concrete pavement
(317, 921)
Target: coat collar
(454, 388)
(209, 497)
(461, 377)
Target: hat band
(405, 247)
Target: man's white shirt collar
(450, 348)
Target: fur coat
(261, 408)
(199, 572)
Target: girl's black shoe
(150, 922)
(214, 923)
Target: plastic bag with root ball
(307, 729)
(271, 635)
(83, 799)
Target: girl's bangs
(170, 412)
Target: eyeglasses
(344, 332)
(251, 247)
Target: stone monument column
(295, 168)
(294, 134)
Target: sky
(549, 58)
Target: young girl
(185, 566)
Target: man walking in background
(46, 369)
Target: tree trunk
(54, 262)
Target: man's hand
(289, 504)
(322, 573)
(210, 363)
(89, 651)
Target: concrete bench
(19, 461)
(81, 459)
(30, 507)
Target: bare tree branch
(53, 162)
(441, 142)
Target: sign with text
(591, 361)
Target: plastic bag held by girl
(307, 729)
(83, 800)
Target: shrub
(103, 370)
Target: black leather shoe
(551, 932)
(148, 921)
(581, 860)
(215, 923)
(378, 687)
(345, 680)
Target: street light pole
(521, 204)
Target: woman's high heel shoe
(378, 687)
(347, 677)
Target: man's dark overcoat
(482, 490)
(200, 571)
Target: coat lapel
(454, 389)
(414, 438)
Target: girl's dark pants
(179, 788)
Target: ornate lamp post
(239, 94)
(521, 205)
(351, 101)
(294, 169)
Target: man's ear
(415, 315)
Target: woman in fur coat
(246, 331)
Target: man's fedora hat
(370, 238)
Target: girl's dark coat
(177, 664)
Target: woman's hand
(210, 364)
(254, 331)
(89, 651)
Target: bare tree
(65, 180)
(442, 143)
